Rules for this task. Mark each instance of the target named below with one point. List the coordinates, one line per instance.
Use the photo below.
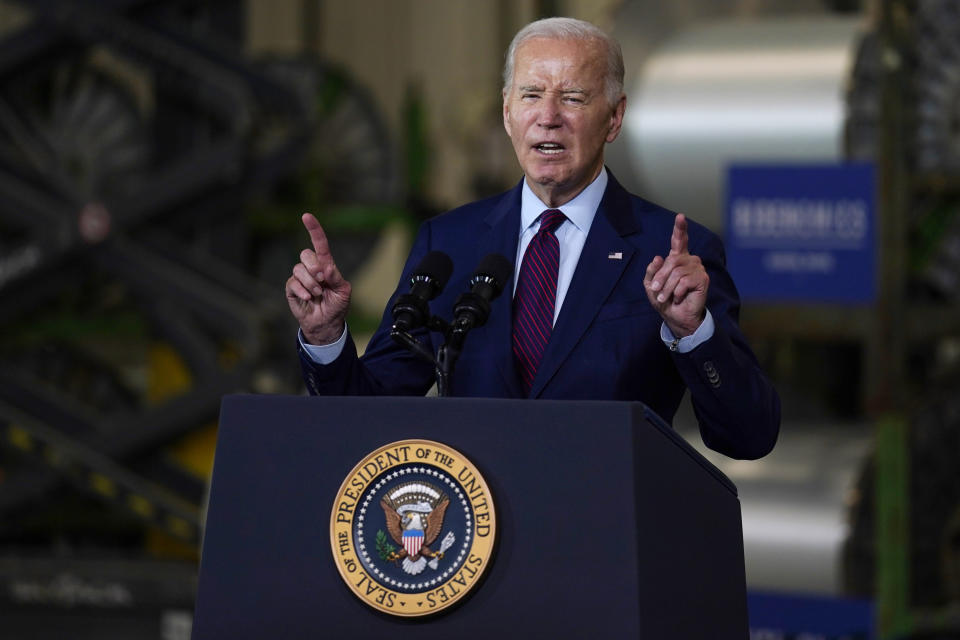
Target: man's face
(558, 117)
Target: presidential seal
(412, 528)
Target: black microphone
(472, 308)
(428, 280)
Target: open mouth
(549, 148)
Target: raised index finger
(679, 239)
(317, 236)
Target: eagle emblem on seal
(414, 516)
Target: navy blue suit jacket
(606, 341)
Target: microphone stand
(411, 343)
(449, 352)
(446, 357)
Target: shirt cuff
(687, 344)
(324, 353)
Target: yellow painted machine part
(169, 377)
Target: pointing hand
(677, 286)
(317, 293)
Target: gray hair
(571, 29)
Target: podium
(609, 525)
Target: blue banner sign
(803, 233)
(786, 616)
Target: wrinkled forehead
(567, 61)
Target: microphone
(472, 308)
(428, 280)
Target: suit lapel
(503, 237)
(593, 280)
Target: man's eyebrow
(530, 88)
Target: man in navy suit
(643, 305)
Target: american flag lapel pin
(615, 255)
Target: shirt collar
(579, 211)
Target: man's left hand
(677, 286)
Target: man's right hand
(317, 293)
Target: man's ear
(616, 119)
(506, 114)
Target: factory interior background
(155, 158)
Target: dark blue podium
(609, 524)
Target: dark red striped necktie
(533, 303)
